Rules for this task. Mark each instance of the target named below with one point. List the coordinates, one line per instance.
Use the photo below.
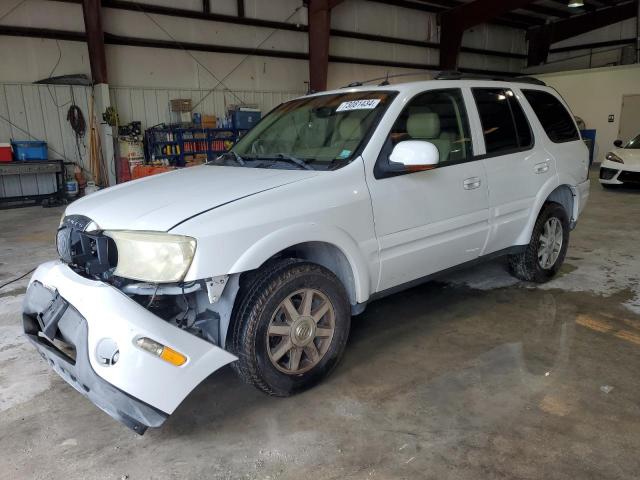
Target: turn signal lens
(173, 357)
(167, 354)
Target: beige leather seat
(426, 126)
(349, 133)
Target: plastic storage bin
(29, 150)
(245, 120)
(5, 152)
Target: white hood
(161, 201)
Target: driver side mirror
(617, 143)
(415, 155)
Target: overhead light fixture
(576, 3)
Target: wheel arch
(563, 194)
(330, 257)
(566, 196)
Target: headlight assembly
(612, 157)
(152, 256)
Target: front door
(431, 220)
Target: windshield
(320, 132)
(634, 143)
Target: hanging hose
(77, 121)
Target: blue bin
(29, 150)
(243, 120)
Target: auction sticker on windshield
(358, 105)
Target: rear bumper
(139, 389)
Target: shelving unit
(181, 144)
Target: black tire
(259, 301)
(609, 186)
(525, 265)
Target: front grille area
(92, 254)
(607, 173)
(629, 177)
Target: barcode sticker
(358, 105)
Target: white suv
(261, 257)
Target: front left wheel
(290, 327)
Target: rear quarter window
(553, 116)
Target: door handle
(541, 167)
(471, 183)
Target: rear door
(430, 220)
(515, 169)
(559, 135)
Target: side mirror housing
(618, 143)
(415, 155)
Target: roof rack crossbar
(455, 75)
(449, 75)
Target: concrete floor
(476, 376)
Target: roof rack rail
(455, 75)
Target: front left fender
(287, 237)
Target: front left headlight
(152, 256)
(612, 157)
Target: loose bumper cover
(583, 194)
(70, 319)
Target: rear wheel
(544, 255)
(290, 328)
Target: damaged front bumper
(73, 321)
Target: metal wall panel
(39, 112)
(151, 105)
(27, 184)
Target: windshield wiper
(288, 158)
(239, 160)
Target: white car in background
(260, 257)
(621, 166)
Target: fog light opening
(107, 352)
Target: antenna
(385, 82)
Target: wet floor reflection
(439, 348)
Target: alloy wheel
(300, 331)
(551, 240)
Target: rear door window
(554, 117)
(525, 139)
(504, 124)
